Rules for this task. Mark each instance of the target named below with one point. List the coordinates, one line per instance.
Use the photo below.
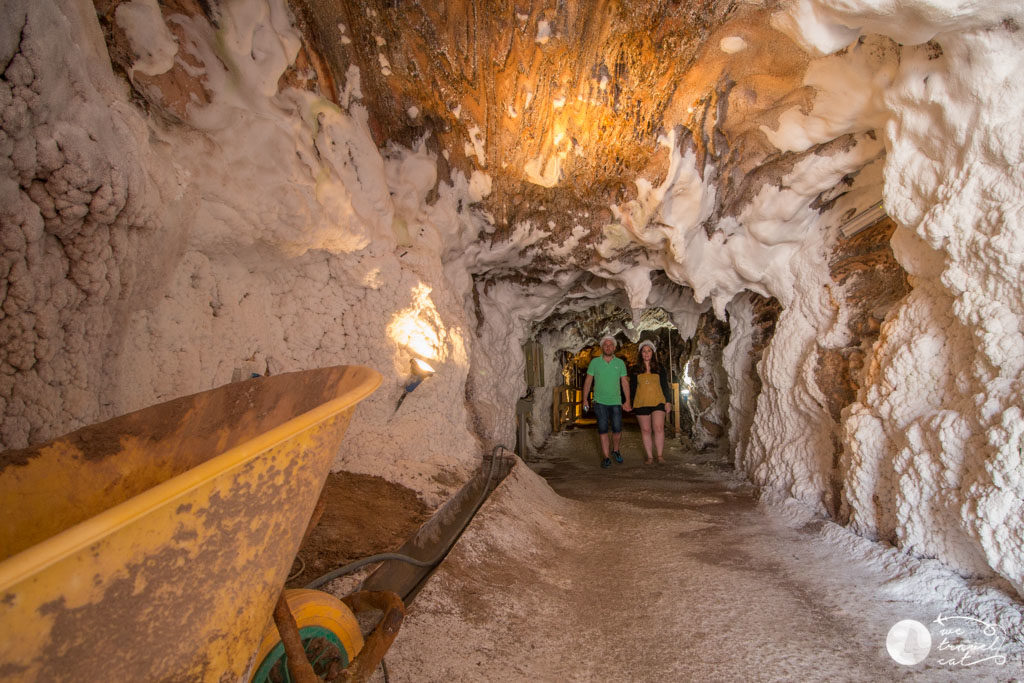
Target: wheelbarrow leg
(378, 642)
(299, 668)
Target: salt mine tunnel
(814, 209)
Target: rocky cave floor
(671, 572)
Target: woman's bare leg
(658, 420)
(645, 433)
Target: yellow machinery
(154, 546)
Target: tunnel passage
(563, 344)
(571, 339)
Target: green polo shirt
(606, 375)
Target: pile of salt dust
(910, 578)
(541, 587)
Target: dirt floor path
(664, 573)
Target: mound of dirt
(363, 515)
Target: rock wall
(154, 250)
(76, 208)
(934, 459)
(868, 283)
(815, 371)
(540, 420)
(709, 400)
(789, 449)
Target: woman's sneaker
(617, 456)
(606, 463)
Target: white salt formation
(151, 41)
(201, 214)
(933, 445)
(147, 261)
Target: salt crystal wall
(932, 447)
(939, 429)
(147, 258)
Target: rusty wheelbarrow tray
(154, 546)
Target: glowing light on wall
(687, 378)
(686, 385)
(418, 328)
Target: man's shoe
(617, 456)
(606, 463)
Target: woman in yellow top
(651, 394)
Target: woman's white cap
(647, 342)
(608, 336)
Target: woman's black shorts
(649, 409)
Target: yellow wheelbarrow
(153, 547)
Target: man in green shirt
(607, 374)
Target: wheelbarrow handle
(377, 643)
(299, 668)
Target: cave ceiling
(565, 106)
(576, 329)
(560, 111)
(562, 104)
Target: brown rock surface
(766, 315)
(709, 401)
(869, 282)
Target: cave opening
(697, 378)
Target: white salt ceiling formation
(193, 191)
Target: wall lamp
(863, 220)
(420, 371)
